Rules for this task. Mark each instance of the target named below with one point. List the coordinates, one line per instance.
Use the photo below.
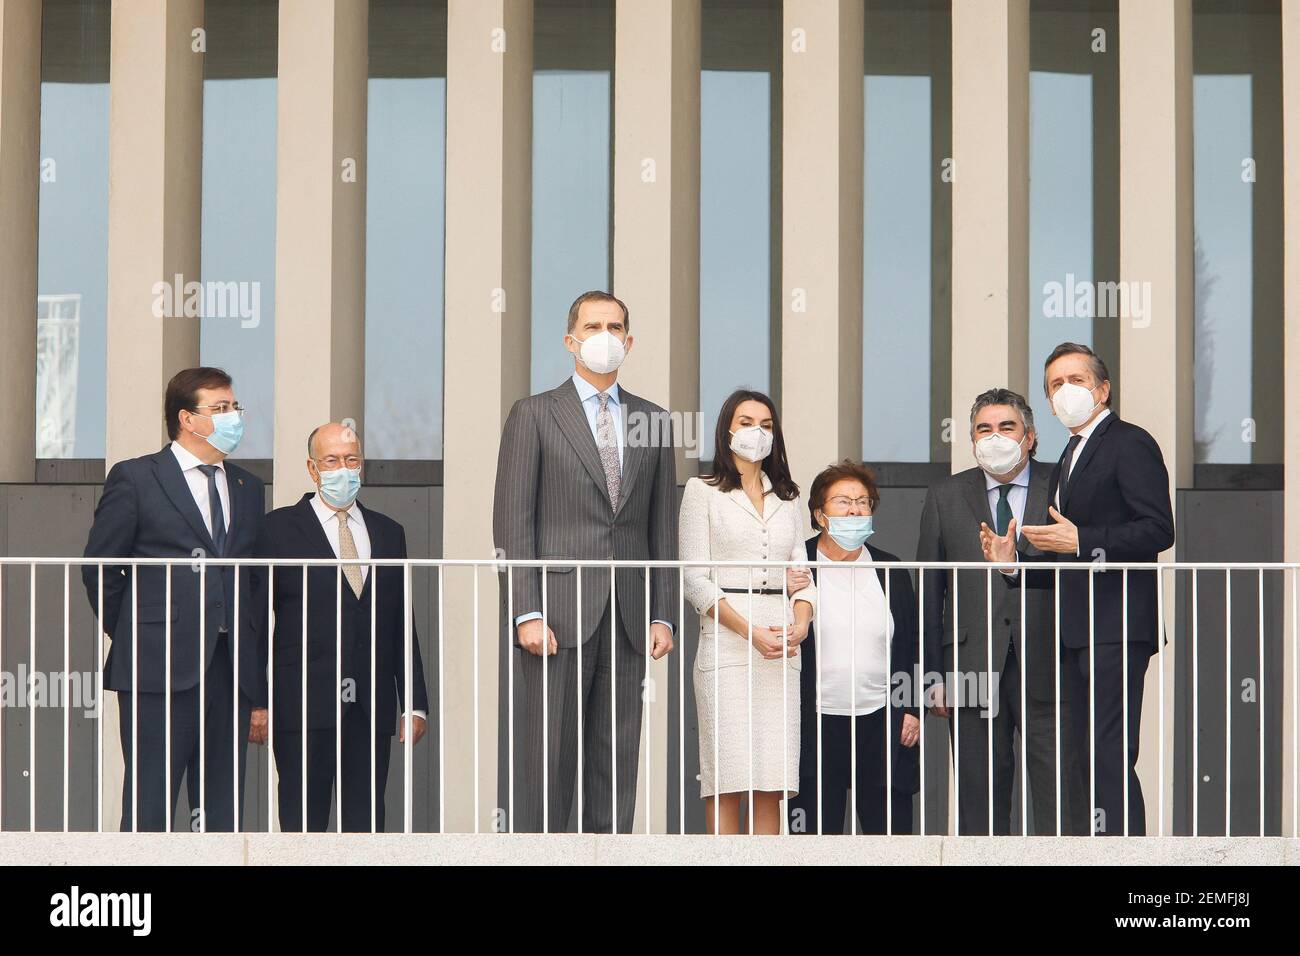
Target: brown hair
(596, 296)
(840, 471)
(183, 393)
(726, 477)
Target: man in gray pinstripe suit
(586, 471)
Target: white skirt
(747, 707)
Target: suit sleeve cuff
(668, 624)
(530, 616)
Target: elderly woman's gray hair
(1005, 396)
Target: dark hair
(840, 471)
(1095, 364)
(183, 393)
(726, 477)
(596, 296)
(1005, 396)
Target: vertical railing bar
(236, 742)
(1060, 711)
(1024, 722)
(889, 721)
(749, 659)
(647, 699)
(817, 710)
(1263, 710)
(988, 660)
(1123, 701)
(408, 769)
(1092, 702)
(135, 701)
(1196, 707)
(954, 712)
(477, 796)
(717, 711)
(681, 701)
(302, 781)
(613, 696)
(546, 713)
(578, 691)
(921, 710)
(1160, 661)
(786, 610)
(442, 696)
(374, 730)
(510, 697)
(203, 658)
(271, 808)
(99, 691)
(1227, 703)
(338, 698)
(31, 711)
(853, 698)
(67, 672)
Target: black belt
(753, 590)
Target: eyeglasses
(334, 462)
(840, 501)
(225, 407)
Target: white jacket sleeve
(798, 552)
(694, 545)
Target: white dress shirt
(854, 632)
(1017, 498)
(591, 405)
(198, 483)
(329, 519)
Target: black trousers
(1037, 728)
(1110, 764)
(355, 784)
(869, 793)
(145, 777)
(611, 744)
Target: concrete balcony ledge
(281, 849)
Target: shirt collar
(1021, 479)
(587, 391)
(1092, 426)
(187, 459)
(326, 514)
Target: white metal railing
(1179, 784)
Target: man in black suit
(332, 523)
(1111, 504)
(182, 502)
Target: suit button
(1006, 620)
(219, 604)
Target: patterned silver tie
(607, 444)
(348, 549)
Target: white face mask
(998, 454)
(1073, 404)
(752, 443)
(602, 353)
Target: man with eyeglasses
(346, 627)
(183, 502)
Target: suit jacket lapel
(241, 505)
(975, 491)
(633, 453)
(173, 483)
(1037, 500)
(573, 424)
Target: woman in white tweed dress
(747, 510)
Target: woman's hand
(796, 579)
(770, 644)
(796, 632)
(911, 732)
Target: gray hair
(1005, 396)
(1095, 365)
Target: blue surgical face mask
(340, 486)
(849, 531)
(227, 430)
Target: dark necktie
(1004, 508)
(214, 509)
(1062, 484)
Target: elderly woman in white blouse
(747, 669)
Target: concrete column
(320, 242)
(657, 260)
(1291, 399)
(20, 128)
(990, 206)
(488, 269)
(155, 144)
(821, 234)
(1155, 235)
(155, 169)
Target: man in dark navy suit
(332, 523)
(182, 502)
(1110, 493)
